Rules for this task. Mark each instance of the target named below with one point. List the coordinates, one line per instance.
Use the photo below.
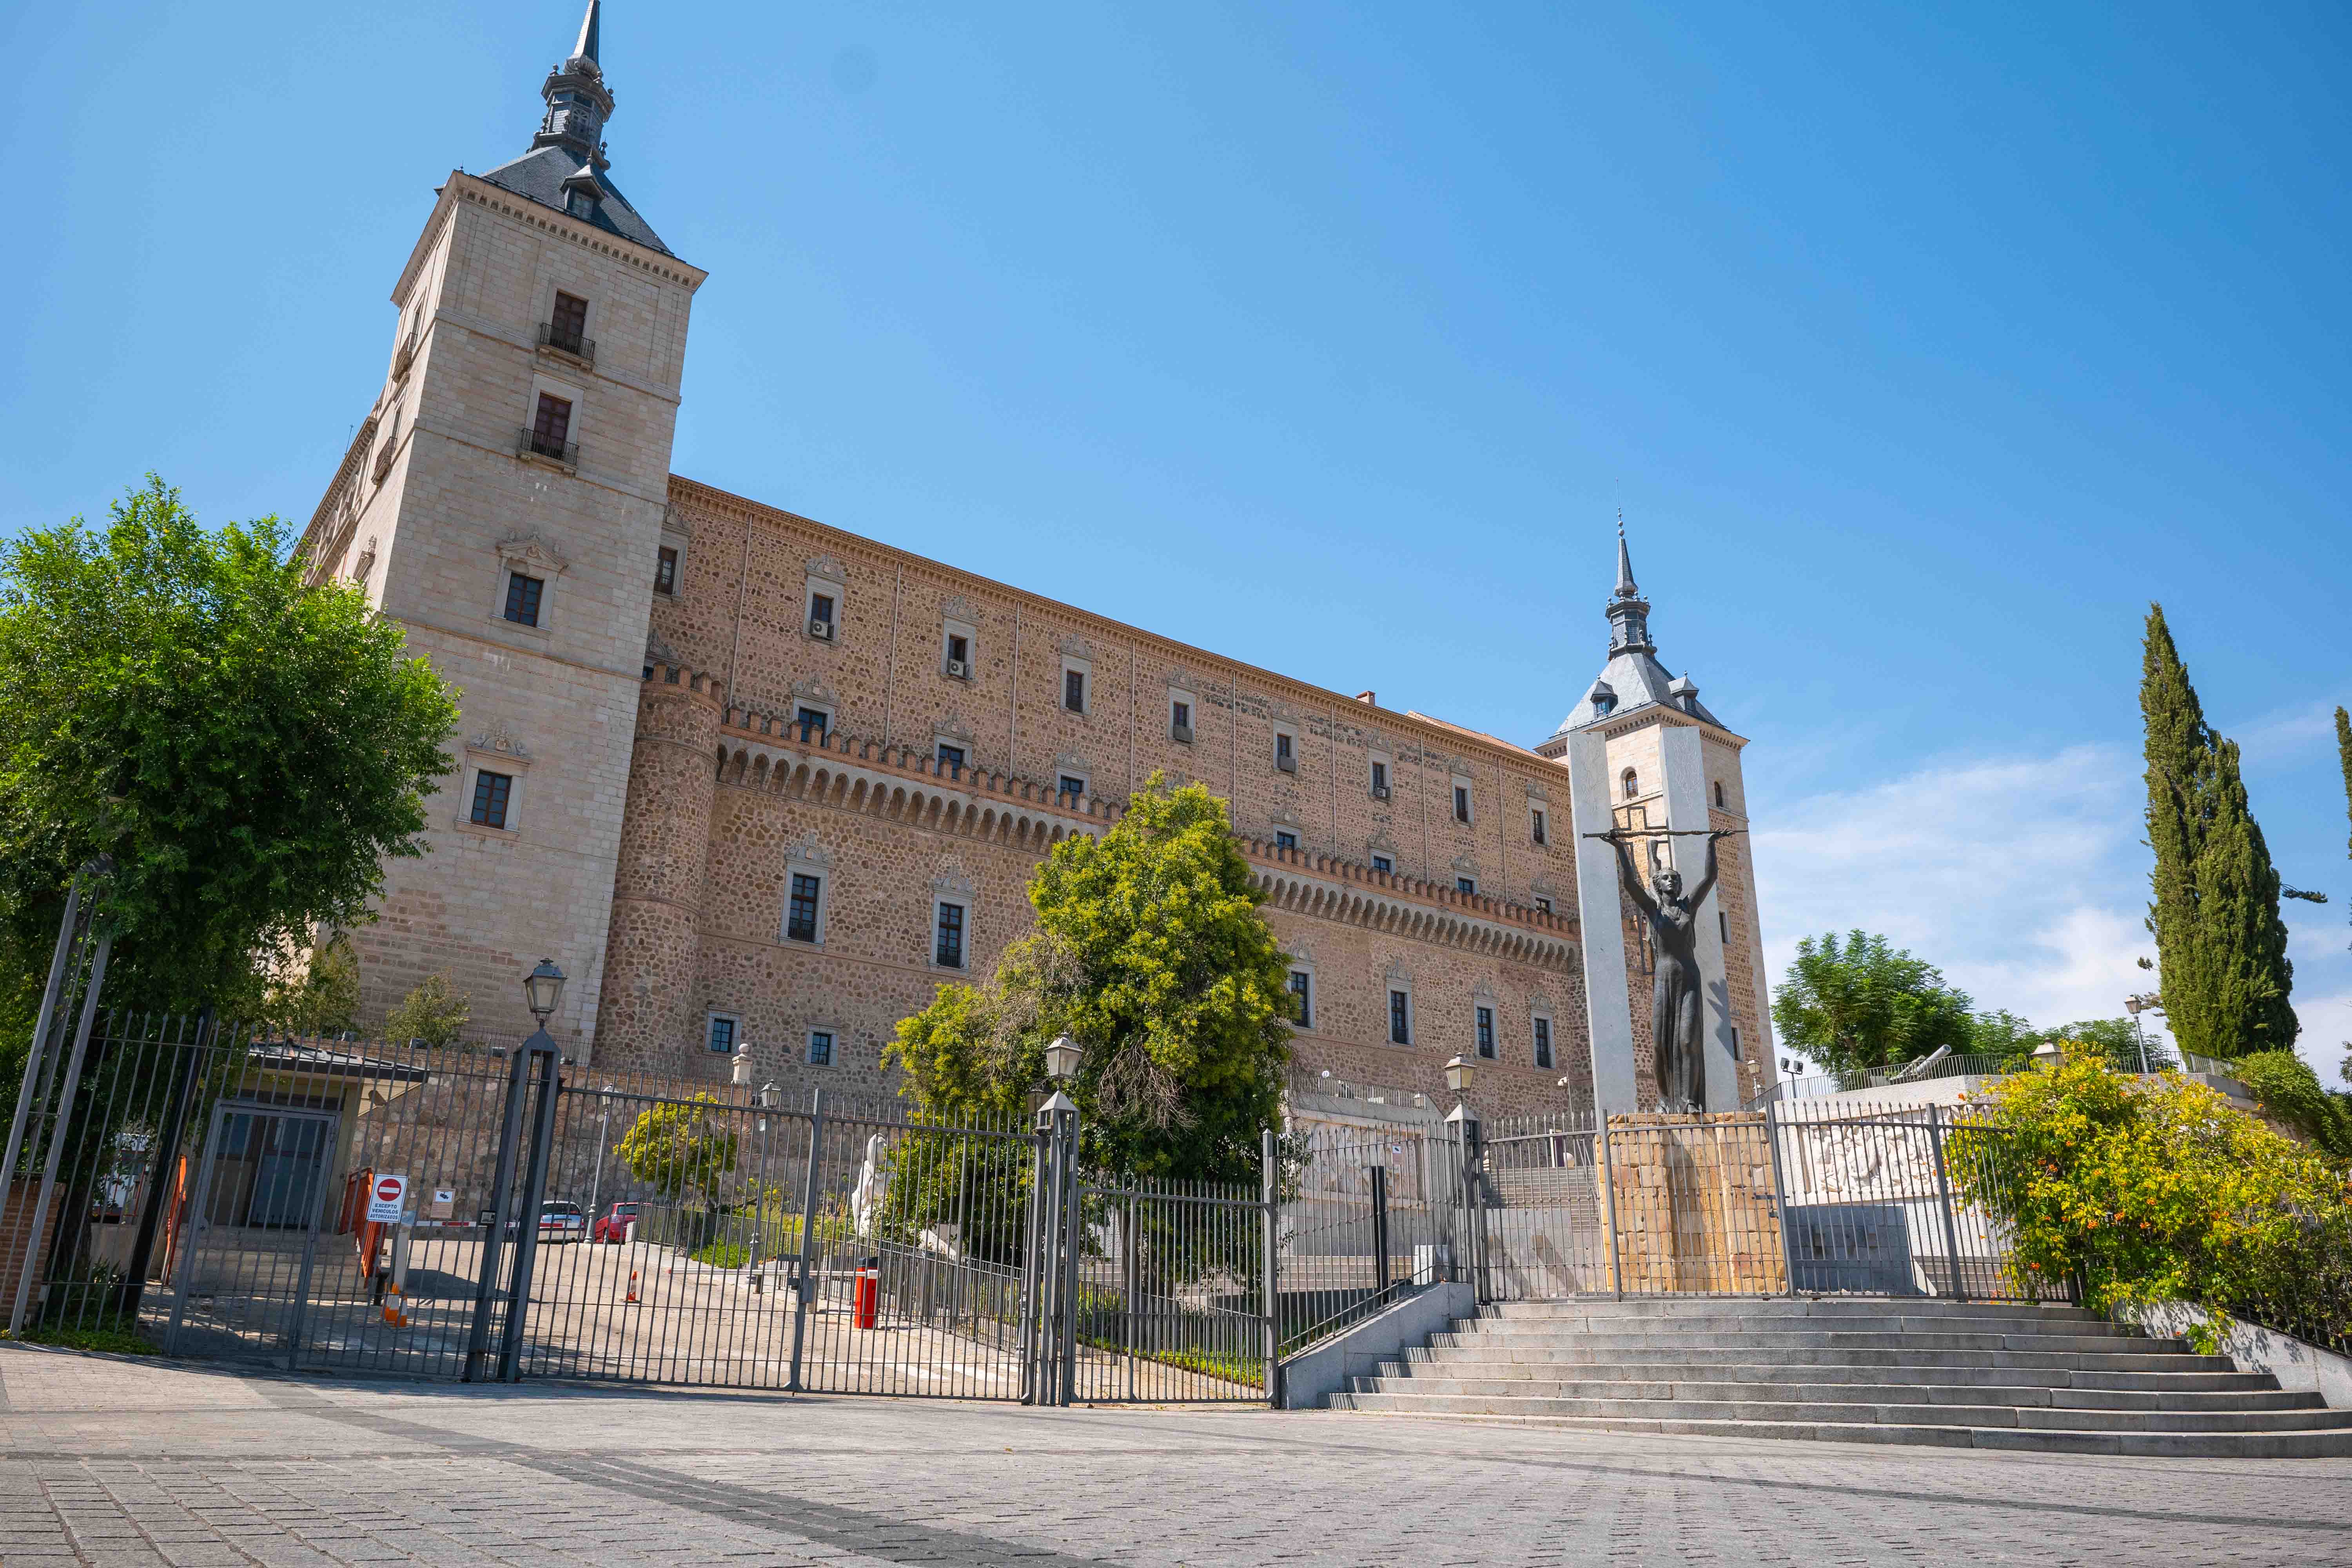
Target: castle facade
(760, 785)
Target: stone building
(759, 783)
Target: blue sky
(1921, 347)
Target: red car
(613, 1225)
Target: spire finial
(585, 50)
(1626, 589)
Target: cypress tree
(2220, 945)
(2344, 755)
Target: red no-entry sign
(387, 1200)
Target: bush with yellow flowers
(2146, 1190)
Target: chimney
(1365, 697)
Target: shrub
(2284, 1084)
(2153, 1190)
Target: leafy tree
(435, 1014)
(1860, 1003)
(1149, 952)
(2220, 945)
(324, 999)
(2115, 1041)
(247, 749)
(2002, 1033)
(679, 1148)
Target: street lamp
(596, 1183)
(1062, 1059)
(1459, 1071)
(769, 1097)
(542, 988)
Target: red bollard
(866, 1297)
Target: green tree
(248, 749)
(324, 999)
(2002, 1033)
(435, 1014)
(1149, 952)
(2284, 1084)
(2115, 1042)
(2220, 945)
(679, 1148)
(1860, 1004)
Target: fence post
(1780, 1200)
(1609, 1209)
(1381, 1231)
(534, 1194)
(37, 1063)
(485, 1283)
(1069, 1272)
(800, 1270)
(1134, 1349)
(60, 1125)
(1944, 1197)
(1271, 1241)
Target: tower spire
(1629, 613)
(585, 50)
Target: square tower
(505, 501)
(1648, 763)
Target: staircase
(1959, 1375)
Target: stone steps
(1980, 1374)
(2159, 1377)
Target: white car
(561, 1221)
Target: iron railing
(530, 443)
(565, 342)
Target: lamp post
(1058, 1120)
(604, 1120)
(2134, 1006)
(1463, 1122)
(542, 988)
(770, 1098)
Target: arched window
(1633, 783)
(1718, 792)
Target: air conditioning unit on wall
(1379, 792)
(820, 630)
(958, 668)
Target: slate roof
(1640, 681)
(539, 175)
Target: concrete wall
(1312, 1375)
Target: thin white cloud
(2023, 878)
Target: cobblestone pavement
(109, 1461)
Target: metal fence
(218, 1192)
(1368, 1216)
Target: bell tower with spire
(1642, 752)
(507, 501)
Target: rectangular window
(1487, 1033)
(951, 761)
(523, 598)
(1734, 1046)
(1286, 841)
(1302, 989)
(1072, 785)
(492, 792)
(1074, 691)
(1544, 904)
(1466, 884)
(799, 916)
(1543, 1043)
(958, 656)
(1384, 866)
(570, 325)
(1179, 720)
(821, 609)
(947, 951)
(553, 426)
(722, 1034)
(1461, 803)
(1539, 829)
(1399, 1018)
(666, 571)
(819, 1051)
(812, 721)
(1380, 780)
(1723, 927)
(1282, 756)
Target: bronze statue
(1678, 1009)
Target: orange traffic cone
(631, 1298)
(391, 1312)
